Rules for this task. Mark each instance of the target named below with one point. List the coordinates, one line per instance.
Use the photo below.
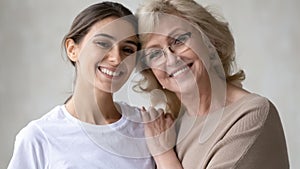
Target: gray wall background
(34, 77)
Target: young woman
(90, 130)
(189, 55)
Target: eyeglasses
(154, 57)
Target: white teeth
(109, 72)
(179, 72)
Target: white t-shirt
(59, 141)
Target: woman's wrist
(167, 160)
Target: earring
(163, 87)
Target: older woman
(189, 55)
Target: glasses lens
(180, 43)
(153, 56)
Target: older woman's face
(170, 51)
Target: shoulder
(30, 134)
(34, 131)
(130, 112)
(54, 114)
(243, 99)
(256, 104)
(134, 121)
(251, 129)
(250, 104)
(30, 143)
(249, 113)
(126, 107)
(262, 121)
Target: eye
(153, 54)
(103, 44)
(181, 39)
(128, 50)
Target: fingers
(156, 121)
(152, 114)
(169, 116)
(145, 115)
(161, 133)
(169, 120)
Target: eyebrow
(105, 35)
(131, 42)
(113, 38)
(168, 36)
(174, 31)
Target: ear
(72, 50)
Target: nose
(114, 57)
(171, 59)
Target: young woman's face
(170, 53)
(106, 55)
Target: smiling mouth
(180, 71)
(110, 72)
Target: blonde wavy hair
(216, 30)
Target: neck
(92, 105)
(196, 103)
(209, 96)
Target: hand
(159, 130)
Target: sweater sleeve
(269, 148)
(254, 140)
(29, 149)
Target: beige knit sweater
(249, 136)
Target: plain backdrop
(34, 76)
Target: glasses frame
(177, 46)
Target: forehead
(161, 23)
(168, 23)
(119, 28)
(166, 26)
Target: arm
(269, 148)
(167, 160)
(28, 149)
(255, 140)
(161, 138)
